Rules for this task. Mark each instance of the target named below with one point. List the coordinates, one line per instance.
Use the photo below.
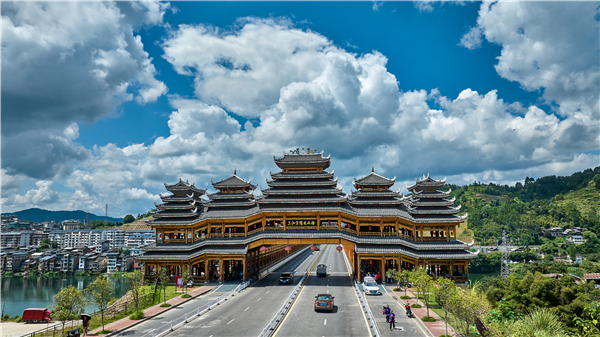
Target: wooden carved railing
(351, 231)
(369, 233)
(255, 231)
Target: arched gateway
(223, 237)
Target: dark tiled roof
(435, 210)
(398, 249)
(431, 202)
(300, 200)
(300, 176)
(177, 206)
(233, 182)
(301, 191)
(365, 201)
(178, 198)
(426, 181)
(232, 203)
(179, 255)
(302, 160)
(374, 179)
(182, 186)
(374, 194)
(291, 183)
(298, 234)
(437, 194)
(166, 214)
(230, 196)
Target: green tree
(164, 280)
(467, 307)
(596, 181)
(135, 281)
(186, 277)
(421, 281)
(128, 219)
(445, 291)
(67, 305)
(589, 323)
(101, 293)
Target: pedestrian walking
(392, 320)
(386, 312)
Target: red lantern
(263, 249)
(287, 249)
(313, 248)
(339, 249)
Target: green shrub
(404, 297)
(186, 296)
(137, 315)
(103, 332)
(428, 319)
(397, 289)
(416, 306)
(165, 305)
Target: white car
(370, 287)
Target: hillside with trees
(524, 210)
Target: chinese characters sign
(300, 222)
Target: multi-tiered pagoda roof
(304, 185)
(182, 205)
(234, 192)
(374, 190)
(428, 201)
(302, 181)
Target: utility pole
(504, 272)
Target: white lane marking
(258, 299)
(268, 291)
(328, 291)
(247, 308)
(325, 323)
(230, 321)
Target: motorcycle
(409, 312)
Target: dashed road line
(325, 323)
(247, 308)
(231, 321)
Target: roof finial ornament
(372, 168)
(234, 171)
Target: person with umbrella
(85, 320)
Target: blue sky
(103, 102)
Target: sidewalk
(436, 328)
(152, 311)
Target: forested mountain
(39, 215)
(525, 209)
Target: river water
(20, 293)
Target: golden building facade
(234, 234)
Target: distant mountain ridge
(39, 215)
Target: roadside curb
(114, 332)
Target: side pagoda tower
(427, 201)
(234, 192)
(374, 190)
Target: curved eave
(268, 201)
(449, 210)
(307, 192)
(230, 204)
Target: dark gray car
(324, 302)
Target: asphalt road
(404, 326)
(252, 309)
(347, 318)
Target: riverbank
(20, 293)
